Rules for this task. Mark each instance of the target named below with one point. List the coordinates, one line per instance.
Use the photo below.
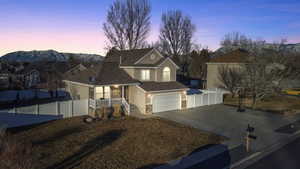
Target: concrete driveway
(226, 121)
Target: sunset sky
(76, 25)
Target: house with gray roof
(142, 78)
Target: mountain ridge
(48, 55)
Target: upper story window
(166, 74)
(145, 74)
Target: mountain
(285, 47)
(48, 55)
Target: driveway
(226, 121)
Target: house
(142, 78)
(4, 79)
(75, 69)
(233, 59)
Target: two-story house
(140, 77)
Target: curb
(194, 158)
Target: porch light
(116, 86)
(149, 95)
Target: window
(145, 74)
(102, 92)
(166, 74)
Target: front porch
(109, 96)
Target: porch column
(122, 95)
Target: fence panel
(212, 98)
(205, 99)
(80, 107)
(48, 109)
(27, 110)
(65, 108)
(219, 98)
(190, 101)
(198, 100)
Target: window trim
(164, 75)
(145, 74)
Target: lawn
(124, 143)
(282, 104)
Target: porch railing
(108, 102)
(126, 105)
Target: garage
(166, 102)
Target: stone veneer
(183, 104)
(149, 108)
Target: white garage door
(166, 102)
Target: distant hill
(287, 47)
(47, 55)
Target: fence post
(57, 108)
(208, 98)
(37, 109)
(72, 105)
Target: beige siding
(149, 59)
(138, 98)
(130, 71)
(138, 75)
(77, 91)
(159, 71)
(213, 80)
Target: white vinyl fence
(207, 97)
(70, 108)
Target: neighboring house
(32, 78)
(75, 69)
(4, 79)
(232, 59)
(29, 77)
(140, 77)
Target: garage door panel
(166, 102)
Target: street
(285, 158)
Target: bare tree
(176, 33)
(197, 67)
(128, 24)
(230, 78)
(235, 40)
(265, 71)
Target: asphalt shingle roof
(236, 56)
(161, 86)
(111, 73)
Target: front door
(115, 91)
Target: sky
(76, 25)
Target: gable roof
(84, 76)
(129, 57)
(111, 74)
(236, 56)
(107, 73)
